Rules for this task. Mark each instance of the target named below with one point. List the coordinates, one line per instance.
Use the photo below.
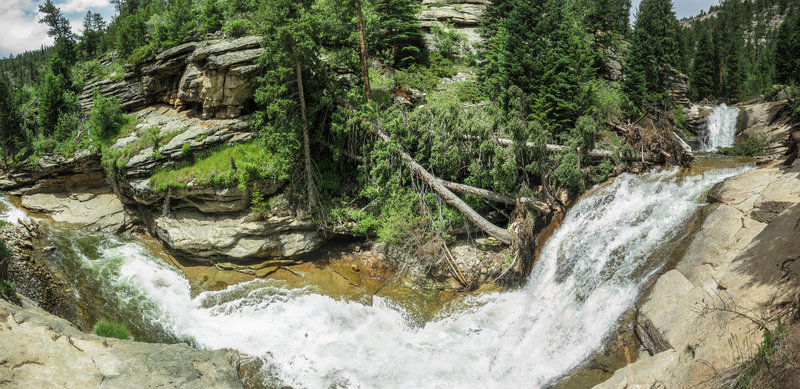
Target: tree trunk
(363, 51)
(312, 194)
(539, 206)
(498, 233)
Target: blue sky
(21, 30)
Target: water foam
(589, 273)
(721, 127)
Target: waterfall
(721, 127)
(589, 273)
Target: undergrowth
(224, 167)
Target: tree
(59, 28)
(787, 50)
(653, 55)
(702, 79)
(10, 129)
(212, 17)
(395, 33)
(181, 21)
(610, 16)
(290, 56)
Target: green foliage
(787, 50)
(654, 54)
(110, 329)
(212, 17)
(251, 162)
(448, 41)
(702, 80)
(609, 16)
(425, 78)
(238, 27)
(8, 291)
(751, 147)
(568, 173)
(772, 340)
(105, 119)
(394, 31)
(186, 149)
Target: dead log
(554, 149)
(449, 197)
(537, 205)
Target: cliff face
(215, 77)
(464, 15)
(190, 100)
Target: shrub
(238, 27)
(8, 291)
(186, 148)
(111, 329)
(752, 147)
(105, 119)
(449, 42)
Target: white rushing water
(589, 273)
(721, 127)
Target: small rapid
(589, 273)
(721, 127)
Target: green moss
(111, 329)
(250, 162)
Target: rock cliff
(699, 319)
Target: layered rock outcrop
(770, 120)
(700, 318)
(36, 345)
(71, 190)
(215, 77)
(464, 15)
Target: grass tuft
(111, 329)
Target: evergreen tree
(654, 54)
(59, 28)
(702, 79)
(10, 129)
(212, 17)
(609, 16)
(181, 21)
(290, 57)
(787, 50)
(395, 32)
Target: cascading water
(721, 128)
(588, 274)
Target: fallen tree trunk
(449, 197)
(596, 153)
(538, 205)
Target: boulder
(35, 345)
(771, 120)
(646, 373)
(95, 211)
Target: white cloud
(71, 6)
(21, 28)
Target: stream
(591, 271)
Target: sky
(21, 30)
(683, 8)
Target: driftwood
(449, 197)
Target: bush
(8, 291)
(238, 27)
(752, 147)
(111, 329)
(449, 42)
(105, 119)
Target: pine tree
(290, 57)
(212, 17)
(653, 55)
(787, 50)
(702, 78)
(10, 130)
(395, 32)
(59, 28)
(609, 16)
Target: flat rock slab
(43, 351)
(95, 211)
